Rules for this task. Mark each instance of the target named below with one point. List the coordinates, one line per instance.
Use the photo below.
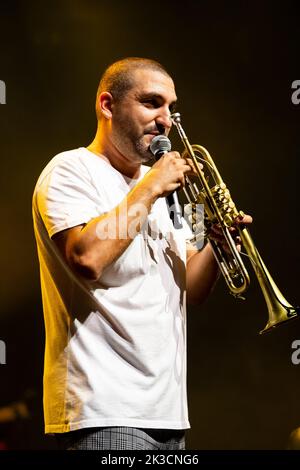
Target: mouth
(154, 133)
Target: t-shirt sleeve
(66, 197)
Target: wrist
(151, 188)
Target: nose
(163, 119)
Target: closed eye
(151, 103)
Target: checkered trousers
(122, 438)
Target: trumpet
(220, 209)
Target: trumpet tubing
(220, 208)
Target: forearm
(91, 248)
(106, 237)
(202, 273)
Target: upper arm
(190, 251)
(66, 242)
(69, 245)
(66, 197)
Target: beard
(130, 142)
(143, 150)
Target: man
(115, 274)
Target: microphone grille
(160, 143)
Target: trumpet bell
(279, 314)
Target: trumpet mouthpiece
(176, 118)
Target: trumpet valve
(225, 204)
(228, 220)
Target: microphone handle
(174, 207)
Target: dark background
(233, 63)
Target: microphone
(159, 146)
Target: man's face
(143, 113)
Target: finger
(182, 166)
(216, 236)
(247, 219)
(193, 167)
(216, 228)
(181, 180)
(170, 157)
(222, 243)
(233, 231)
(187, 169)
(175, 155)
(244, 219)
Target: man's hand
(167, 174)
(216, 234)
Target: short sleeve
(66, 196)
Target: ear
(105, 101)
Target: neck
(104, 148)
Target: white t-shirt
(115, 352)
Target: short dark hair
(118, 77)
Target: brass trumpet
(219, 208)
